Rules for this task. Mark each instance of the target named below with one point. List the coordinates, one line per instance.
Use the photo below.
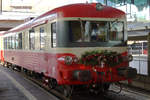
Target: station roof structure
(9, 20)
(138, 30)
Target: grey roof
(16, 15)
(138, 26)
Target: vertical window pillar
(53, 35)
(31, 39)
(148, 54)
(42, 38)
(20, 41)
(132, 1)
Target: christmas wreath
(101, 58)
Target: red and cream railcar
(74, 45)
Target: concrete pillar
(105, 2)
(148, 54)
(0, 6)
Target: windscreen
(90, 33)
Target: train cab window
(20, 41)
(42, 38)
(116, 31)
(53, 35)
(83, 33)
(98, 31)
(88, 31)
(31, 39)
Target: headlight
(68, 60)
(99, 6)
(130, 57)
(75, 60)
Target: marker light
(130, 58)
(68, 60)
(99, 6)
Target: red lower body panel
(75, 74)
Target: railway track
(39, 82)
(126, 93)
(77, 95)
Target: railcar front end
(91, 51)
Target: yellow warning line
(20, 87)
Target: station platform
(16, 87)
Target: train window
(9, 42)
(5, 43)
(31, 39)
(88, 31)
(42, 38)
(83, 33)
(20, 41)
(53, 35)
(16, 41)
(75, 29)
(116, 31)
(98, 31)
(12, 42)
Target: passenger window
(16, 41)
(31, 39)
(5, 43)
(20, 41)
(42, 38)
(13, 42)
(53, 35)
(9, 42)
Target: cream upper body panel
(79, 51)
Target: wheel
(5, 64)
(67, 91)
(25, 70)
(106, 86)
(52, 83)
(99, 88)
(95, 89)
(2, 63)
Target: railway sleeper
(99, 88)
